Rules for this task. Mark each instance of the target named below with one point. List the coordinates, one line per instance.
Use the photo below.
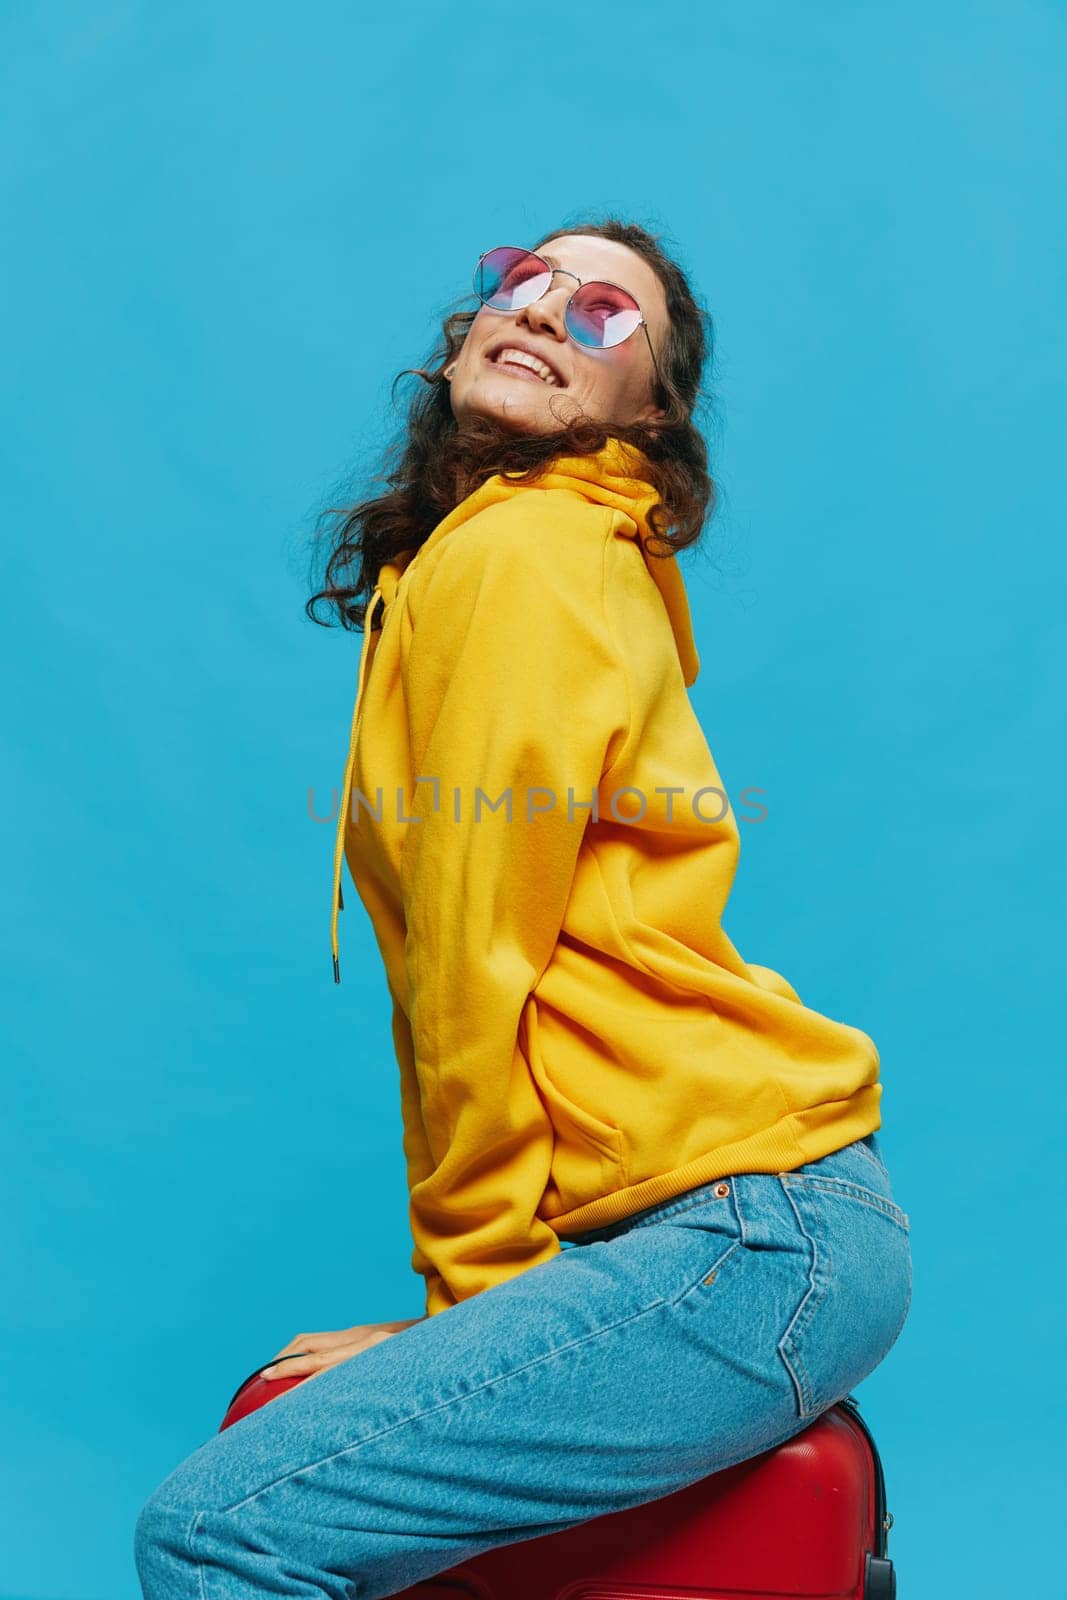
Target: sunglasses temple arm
(652, 353)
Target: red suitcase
(805, 1520)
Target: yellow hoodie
(577, 1037)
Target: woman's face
(613, 385)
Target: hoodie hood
(614, 477)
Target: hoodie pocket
(589, 1154)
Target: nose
(546, 313)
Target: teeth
(523, 359)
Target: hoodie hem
(780, 1148)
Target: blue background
(227, 229)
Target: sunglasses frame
(582, 283)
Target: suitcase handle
(879, 1578)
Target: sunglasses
(597, 316)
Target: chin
(517, 407)
(514, 418)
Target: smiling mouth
(515, 371)
(521, 369)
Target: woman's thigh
(676, 1343)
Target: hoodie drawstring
(346, 788)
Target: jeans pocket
(859, 1287)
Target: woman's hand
(322, 1350)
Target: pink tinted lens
(601, 314)
(507, 278)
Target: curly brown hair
(433, 464)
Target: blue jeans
(644, 1356)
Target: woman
(645, 1183)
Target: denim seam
(854, 1191)
(900, 1324)
(549, 1355)
(707, 1272)
(190, 1536)
(810, 1302)
(907, 1305)
(869, 1155)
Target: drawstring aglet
(340, 907)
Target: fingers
(316, 1342)
(292, 1366)
(307, 1362)
(310, 1353)
(307, 1366)
(309, 1341)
